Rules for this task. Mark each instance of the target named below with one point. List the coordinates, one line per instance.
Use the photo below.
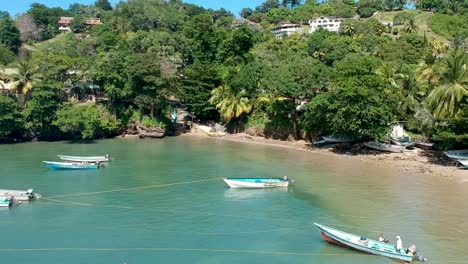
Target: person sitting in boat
(285, 178)
(383, 239)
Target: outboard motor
(416, 256)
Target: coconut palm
(412, 91)
(22, 80)
(388, 72)
(348, 28)
(445, 99)
(229, 103)
(410, 26)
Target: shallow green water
(175, 221)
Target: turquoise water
(164, 201)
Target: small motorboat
(423, 145)
(384, 147)
(464, 162)
(71, 165)
(333, 139)
(91, 159)
(19, 195)
(257, 182)
(461, 154)
(364, 244)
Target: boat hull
(91, 159)
(458, 154)
(384, 147)
(255, 183)
(22, 196)
(344, 239)
(464, 162)
(423, 145)
(69, 166)
(339, 140)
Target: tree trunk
(152, 111)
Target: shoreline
(415, 161)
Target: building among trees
(65, 22)
(329, 23)
(286, 29)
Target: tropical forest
(390, 62)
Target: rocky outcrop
(151, 132)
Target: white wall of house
(286, 30)
(329, 23)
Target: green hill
(422, 19)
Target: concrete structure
(329, 23)
(286, 29)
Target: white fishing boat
(90, 159)
(384, 147)
(256, 182)
(20, 195)
(461, 154)
(71, 165)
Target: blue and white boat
(461, 154)
(364, 244)
(7, 201)
(91, 159)
(256, 182)
(70, 165)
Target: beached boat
(92, 159)
(458, 154)
(464, 162)
(333, 139)
(256, 182)
(70, 165)
(384, 146)
(20, 195)
(423, 145)
(364, 244)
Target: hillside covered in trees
(149, 56)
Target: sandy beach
(414, 162)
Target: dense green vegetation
(149, 56)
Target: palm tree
(388, 72)
(348, 28)
(410, 26)
(446, 98)
(229, 103)
(411, 90)
(22, 80)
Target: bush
(449, 25)
(365, 12)
(402, 17)
(86, 121)
(395, 31)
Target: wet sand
(416, 161)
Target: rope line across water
(264, 252)
(133, 188)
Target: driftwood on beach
(154, 132)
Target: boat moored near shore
(71, 166)
(91, 159)
(384, 147)
(19, 195)
(257, 182)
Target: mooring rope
(133, 188)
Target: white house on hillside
(286, 29)
(328, 23)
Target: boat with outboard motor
(91, 159)
(71, 165)
(257, 182)
(19, 195)
(366, 245)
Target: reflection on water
(240, 194)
